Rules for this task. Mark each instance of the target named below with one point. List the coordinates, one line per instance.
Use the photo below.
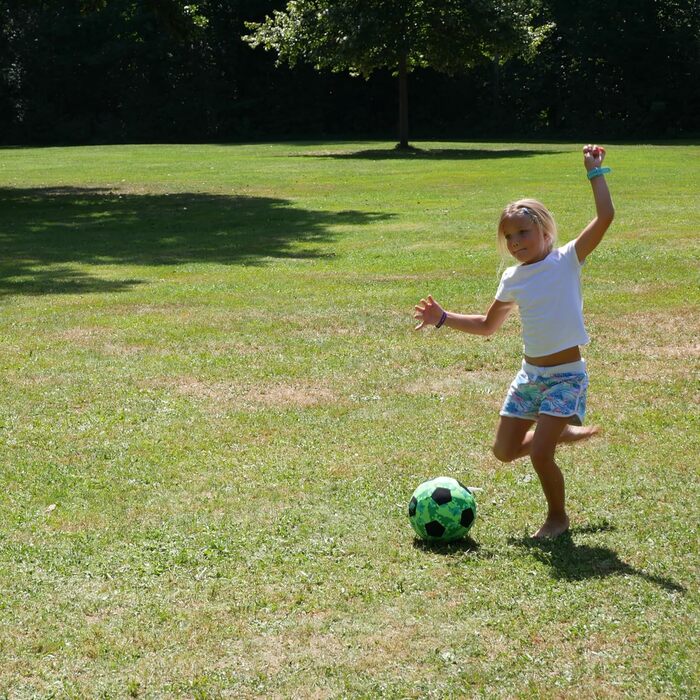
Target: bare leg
(512, 430)
(512, 438)
(574, 433)
(544, 441)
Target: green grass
(214, 411)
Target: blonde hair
(537, 213)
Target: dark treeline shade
(77, 71)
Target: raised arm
(430, 313)
(592, 235)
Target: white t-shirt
(548, 294)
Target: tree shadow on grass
(429, 154)
(48, 235)
(578, 562)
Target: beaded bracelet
(597, 172)
(442, 320)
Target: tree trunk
(403, 101)
(496, 111)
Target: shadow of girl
(576, 562)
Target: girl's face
(525, 241)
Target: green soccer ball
(442, 510)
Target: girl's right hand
(428, 312)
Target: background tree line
(90, 71)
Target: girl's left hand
(593, 156)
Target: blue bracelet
(442, 320)
(597, 172)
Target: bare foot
(574, 433)
(552, 527)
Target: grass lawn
(215, 409)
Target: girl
(550, 388)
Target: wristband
(442, 320)
(597, 172)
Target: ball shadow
(465, 544)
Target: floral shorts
(553, 391)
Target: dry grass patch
(654, 330)
(99, 339)
(83, 335)
(272, 654)
(661, 345)
(457, 381)
(282, 395)
(274, 394)
(229, 348)
(103, 340)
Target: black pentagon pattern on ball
(412, 507)
(435, 529)
(441, 495)
(467, 517)
(466, 488)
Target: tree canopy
(96, 71)
(360, 37)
